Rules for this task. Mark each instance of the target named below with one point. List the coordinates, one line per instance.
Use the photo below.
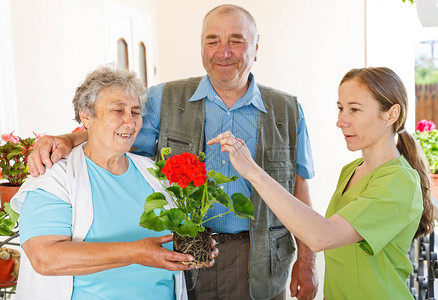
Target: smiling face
(229, 48)
(364, 125)
(116, 123)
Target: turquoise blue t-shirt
(118, 202)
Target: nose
(342, 120)
(128, 120)
(224, 51)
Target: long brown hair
(388, 89)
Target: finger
(304, 294)
(293, 288)
(211, 263)
(176, 266)
(228, 148)
(44, 152)
(219, 137)
(213, 242)
(165, 238)
(214, 253)
(213, 141)
(59, 152)
(34, 162)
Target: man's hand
(49, 149)
(214, 253)
(304, 282)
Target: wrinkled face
(116, 122)
(229, 49)
(364, 126)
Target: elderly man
(255, 255)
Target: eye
(236, 42)
(355, 109)
(340, 108)
(212, 43)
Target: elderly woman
(79, 222)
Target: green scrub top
(385, 208)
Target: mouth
(348, 136)
(227, 64)
(125, 135)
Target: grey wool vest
(182, 128)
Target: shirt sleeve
(43, 213)
(304, 151)
(146, 140)
(391, 202)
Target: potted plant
(14, 153)
(8, 219)
(9, 265)
(427, 136)
(193, 192)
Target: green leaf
(220, 196)
(4, 230)
(188, 228)
(242, 206)
(13, 215)
(151, 221)
(172, 218)
(154, 201)
(197, 194)
(224, 199)
(165, 151)
(156, 173)
(219, 178)
(13, 153)
(176, 191)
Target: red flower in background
(425, 125)
(79, 128)
(184, 169)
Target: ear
(85, 118)
(393, 114)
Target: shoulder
(186, 82)
(269, 90)
(398, 171)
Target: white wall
(56, 43)
(8, 107)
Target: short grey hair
(228, 9)
(103, 78)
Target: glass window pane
(122, 54)
(143, 67)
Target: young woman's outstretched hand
(240, 156)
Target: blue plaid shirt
(241, 120)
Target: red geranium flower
(184, 169)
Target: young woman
(382, 200)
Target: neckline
(359, 162)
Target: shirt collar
(252, 95)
